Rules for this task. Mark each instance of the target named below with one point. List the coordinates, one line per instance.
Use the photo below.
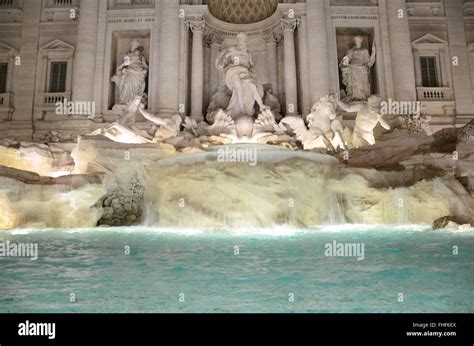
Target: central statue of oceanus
(241, 80)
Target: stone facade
(296, 45)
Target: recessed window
(57, 81)
(429, 75)
(3, 77)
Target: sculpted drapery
(236, 61)
(131, 74)
(355, 68)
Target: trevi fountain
(233, 152)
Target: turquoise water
(239, 271)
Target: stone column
(24, 85)
(383, 55)
(303, 63)
(100, 99)
(272, 61)
(197, 71)
(169, 53)
(291, 85)
(458, 49)
(401, 53)
(85, 57)
(154, 63)
(183, 68)
(319, 77)
(206, 71)
(214, 73)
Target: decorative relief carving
(211, 37)
(289, 24)
(274, 36)
(195, 25)
(130, 16)
(130, 4)
(263, 28)
(242, 11)
(469, 8)
(353, 12)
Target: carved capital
(289, 24)
(273, 37)
(196, 25)
(212, 37)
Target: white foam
(277, 231)
(20, 231)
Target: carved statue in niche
(131, 74)
(355, 68)
(241, 80)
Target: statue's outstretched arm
(384, 124)
(297, 125)
(152, 118)
(350, 108)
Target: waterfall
(335, 210)
(221, 195)
(199, 191)
(401, 205)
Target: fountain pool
(404, 269)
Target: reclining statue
(125, 129)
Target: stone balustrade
(62, 3)
(7, 4)
(59, 10)
(10, 11)
(434, 94)
(50, 99)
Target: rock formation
(415, 178)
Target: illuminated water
(239, 271)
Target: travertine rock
(29, 200)
(124, 205)
(451, 222)
(215, 194)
